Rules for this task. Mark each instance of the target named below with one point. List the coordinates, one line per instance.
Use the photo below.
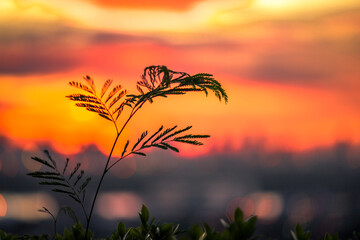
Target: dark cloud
(37, 60)
(30, 48)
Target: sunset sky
(291, 69)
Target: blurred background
(285, 148)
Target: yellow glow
(15, 10)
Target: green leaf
(121, 230)
(144, 214)
(238, 215)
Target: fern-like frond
(53, 183)
(59, 183)
(192, 142)
(162, 139)
(88, 105)
(105, 87)
(113, 92)
(168, 130)
(42, 161)
(83, 98)
(65, 167)
(76, 168)
(84, 184)
(161, 82)
(81, 86)
(152, 136)
(177, 132)
(143, 135)
(90, 81)
(125, 148)
(117, 98)
(79, 177)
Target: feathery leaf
(70, 212)
(75, 198)
(90, 81)
(62, 191)
(79, 177)
(53, 183)
(50, 158)
(168, 130)
(85, 183)
(76, 168)
(81, 86)
(105, 87)
(192, 142)
(176, 133)
(170, 147)
(83, 98)
(139, 153)
(117, 98)
(66, 164)
(44, 162)
(152, 136)
(125, 147)
(143, 135)
(113, 92)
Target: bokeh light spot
(25, 206)
(3, 206)
(116, 205)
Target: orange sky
(290, 69)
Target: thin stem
(106, 169)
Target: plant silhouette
(156, 81)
